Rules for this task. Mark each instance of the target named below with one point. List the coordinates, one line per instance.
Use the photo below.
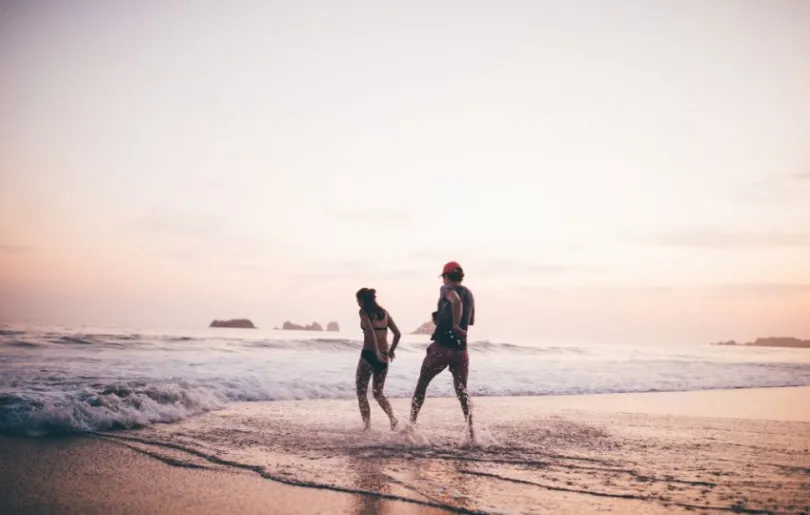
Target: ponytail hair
(367, 297)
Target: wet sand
(739, 451)
(88, 476)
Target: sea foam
(56, 382)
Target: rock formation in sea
(333, 327)
(426, 328)
(772, 341)
(289, 326)
(238, 323)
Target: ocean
(62, 380)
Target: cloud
(721, 240)
(777, 190)
(475, 261)
(437, 256)
(771, 289)
(178, 224)
(408, 269)
(191, 238)
(373, 217)
(596, 290)
(638, 290)
(527, 290)
(750, 290)
(512, 267)
(14, 249)
(358, 271)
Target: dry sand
(743, 451)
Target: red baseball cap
(451, 267)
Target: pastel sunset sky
(617, 170)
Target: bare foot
(394, 424)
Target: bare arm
(457, 307)
(397, 335)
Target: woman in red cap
(375, 322)
(455, 313)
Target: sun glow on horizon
(598, 171)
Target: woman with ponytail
(375, 356)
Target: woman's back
(378, 327)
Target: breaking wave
(57, 382)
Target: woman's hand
(391, 355)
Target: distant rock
(426, 328)
(771, 342)
(333, 327)
(780, 342)
(289, 326)
(730, 342)
(236, 323)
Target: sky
(626, 170)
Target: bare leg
(430, 369)
(362, 377)
(377, 391)
(460, 374)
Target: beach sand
(741, 451)
(88, 475)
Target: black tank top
(444, 315)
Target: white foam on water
(61, 381)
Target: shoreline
(762, 403)
(740, 450)
(91, 474)
(602, 401)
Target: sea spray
(54, 382)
